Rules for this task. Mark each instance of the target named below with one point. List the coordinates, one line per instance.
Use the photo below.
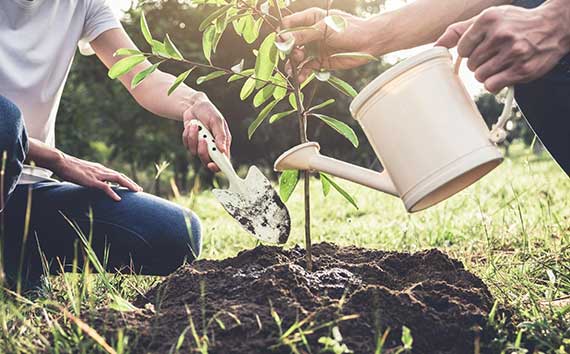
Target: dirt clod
(231, 301)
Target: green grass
(512, 229)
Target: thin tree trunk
(308, 242)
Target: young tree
(266, 81)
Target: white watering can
(424, 127)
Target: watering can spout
(307, 157)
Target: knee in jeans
(186, 243)
(12, 133)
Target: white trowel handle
(218, 157)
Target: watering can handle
(220, 159)
(498, 133)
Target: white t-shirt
(38, 40)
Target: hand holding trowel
(251, 201)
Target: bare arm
(151, 94)
(78, 171)
(185, 104)
(422, 22)
(417, 23)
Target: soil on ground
(362, 292)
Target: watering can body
(424, 127)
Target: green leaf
(125, 65)
(213, 16)
(239, 24)
(143, 74)
(339, 189)
(179, 80)
(322, 105)
(217, 37)
(280, 91)
(274, 118)
(171, 49)
(120, 304)
(355, 55)
(208, 41)
(287, 183)
(210, 76)
(144, 29)
(243, 75)
(158, 48)
(325, 184)
(342, 86)
(260, 118)
(340, 127)
(123, 52)
(248, 29)
(251, 30)
(336, 23)
(407, 339)
(293, 100)
(247, 88)
(267, 58)
(308, 80)
(263, 95)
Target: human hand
(204, 111)
(355, 38)
(507, 45)
(92, 175)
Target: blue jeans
(141, 233)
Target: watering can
(424, 127)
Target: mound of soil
(231, 302)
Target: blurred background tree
(98, 120)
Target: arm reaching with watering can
(505, 44)
(418, 23)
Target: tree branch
(214, 67)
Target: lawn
(512, 229)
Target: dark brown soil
(445, 306)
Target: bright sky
(473, 86)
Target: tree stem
(214, 67)
(308, 242)
(302, 118)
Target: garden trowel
(252, 201)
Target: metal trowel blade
(258, 208)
